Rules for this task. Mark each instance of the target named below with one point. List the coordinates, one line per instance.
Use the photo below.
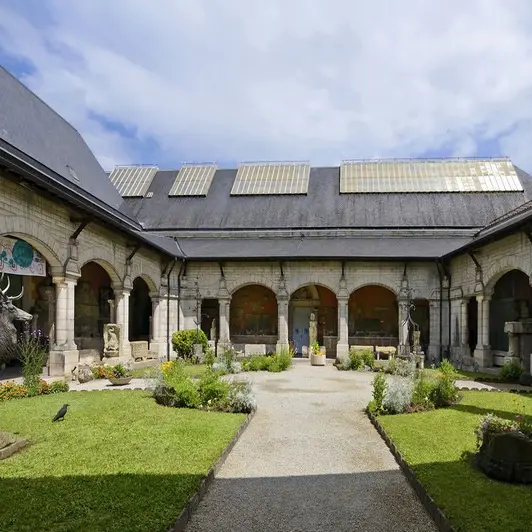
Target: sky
(173, 81)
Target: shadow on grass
(150, 503)
(94, 503)
(481, 411)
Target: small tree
(32, 356)
(183, 342)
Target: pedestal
(61, 363)
(483, 357)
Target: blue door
(300, 324)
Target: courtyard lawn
(117, 462)
(433, 443)
(468, 375)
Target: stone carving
(312, 329)
(507, 457)
(213, 331)
(8, 315)
(111, 336)
(85, 373)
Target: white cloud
(319, 80)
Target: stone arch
(499, 268)
(107, 266)
(253, 283)
(43, 243)
(140, 309)
(312, 284)
(388, 286)
(152, 286)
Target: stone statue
(213, 331)
(312, 329)
(111, 337)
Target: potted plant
(118, 375)
(317, 355)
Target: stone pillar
(282, 322)
(486, 322)
(225, 338)
(122, 319)
(483, 356)
(342, 348)
(64, 355)
(156, 319)
(464, 331)
(403, 325)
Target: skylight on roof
(271, 178)
(193, 180)
(133, 181)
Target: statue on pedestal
(111, 337)
(312, 329)
(213, 331)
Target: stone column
(156, 319)
(342, 348)
(64, 355)
(282, 325)
(404, 347)
(480, 322)
(464, 332)
(486, 322)
(71, 311)
(434, 337)
(122, 319)
(61, 327)
(225, 338)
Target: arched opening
(24, 268)
(373, 317)
(210, 318)
(140, 311)
(253, 316)
(322, 302)
(91, 310)
(421, 316)
(511, 301)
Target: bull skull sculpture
(8, 315)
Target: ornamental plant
(183, 342)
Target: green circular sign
(22, 254)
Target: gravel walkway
(310, 461)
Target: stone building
(255, 250)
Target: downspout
(181, 269)
(448, 276)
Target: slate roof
(412, 248)
(37, 140)
(322, 207)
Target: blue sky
(234, 80)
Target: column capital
(119, 288)
(342, 299)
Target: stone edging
(507, 390)
(192, 504)
(12, 448)
(442, 523)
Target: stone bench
(388, 351)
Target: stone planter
(119, 381)
(318, 360)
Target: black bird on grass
(61, 414)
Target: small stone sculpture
(312, 329)
(213, 331)
(111, 337)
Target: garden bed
(119, 461)
(438, 445)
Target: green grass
(192, 370)
(433, 444)
(119, 461)
(467, 375)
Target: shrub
(445, 392)
(379, 391)
(368, 358)
(32, 356)
(10, 390)
(356, 360)
(210, 359)
(183, 342)
(213, 391)
(423, 393)
(285, 358)
(398, 395)
(58, 387)
(240, 398)
(99, 372)
(511, 371)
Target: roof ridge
(507, 215)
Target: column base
(282, 346)
(483, 357)
(433, 354)
(509, 359)
(157, 349)
(342, 352)
(61, 363)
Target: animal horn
(14, 298)
(4, 292)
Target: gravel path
(310, 461)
